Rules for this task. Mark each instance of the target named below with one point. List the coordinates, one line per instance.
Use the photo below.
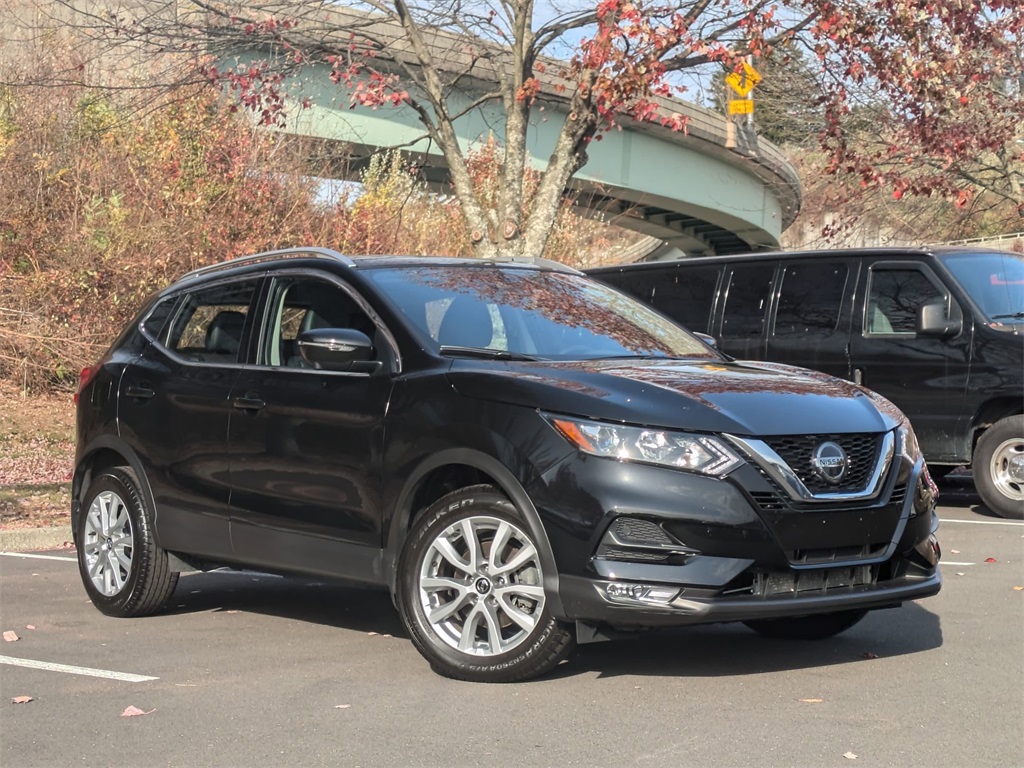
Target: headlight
(695, 453)
(906, 443)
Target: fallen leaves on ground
(991, 560)
(11, 636)
(849, 755)
(134, 711)
(870, 655)
(29, 626)
(955, 551)
(1018, 589)
(812, 701)
(342, 706)
(22, 699)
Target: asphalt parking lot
(251, 669)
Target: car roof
(260, 261)
(874, 252)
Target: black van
(938, 331)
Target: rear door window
(746, 304)
(209, 323)
(810, 299)
(686, 294)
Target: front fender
(505, 481)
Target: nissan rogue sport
(523, 456)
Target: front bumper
(586, 600)
(748, 554)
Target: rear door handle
(248, 403)
(140, 391)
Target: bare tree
(941, 71)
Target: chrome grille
(796, 451)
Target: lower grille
(836, 554)
(846, 531)
(821, 580)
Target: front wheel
(817, 626)
(125, 573)
(999, 467)
(471, 591)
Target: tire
(125, 573)
(999, 467)
(480, 617)
(817, 626)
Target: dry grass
(36, 458)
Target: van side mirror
(337, 349)
(934, 320)
(708, 339)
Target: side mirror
(708, 339)
(934, 320)
(337, 349)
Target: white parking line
(981, 522)
(51, 667)
(950, 562)
(39, 557)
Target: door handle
(248, 403)
(140, 391)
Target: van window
(686, 295)
(749, 291)
(894, 296)
(810, 299)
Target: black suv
(938, 331)
(524, 456)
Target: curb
(28, 539)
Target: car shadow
(957, 490)
(729, 650)
(327, 602)
(702, 651)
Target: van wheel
(999, 467)
(125, 573)
(817, 626)
(471, 594)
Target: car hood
(739, 397)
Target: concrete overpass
(689, 190)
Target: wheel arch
(991, 412)
(105, 452)
(460, 468)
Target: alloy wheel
(480, 586)
(108, 543)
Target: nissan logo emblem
(830, 462)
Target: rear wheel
(999, 467)
(125, 573)
(817, 626)
(471, 591)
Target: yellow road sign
(743, 82)
(741, 107)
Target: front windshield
(995, 281)
(529, 313)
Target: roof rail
(536, 261)
(256, 258)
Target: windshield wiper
(485, 354)
(1008, 315)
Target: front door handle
(140, 391)
(248, 403)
